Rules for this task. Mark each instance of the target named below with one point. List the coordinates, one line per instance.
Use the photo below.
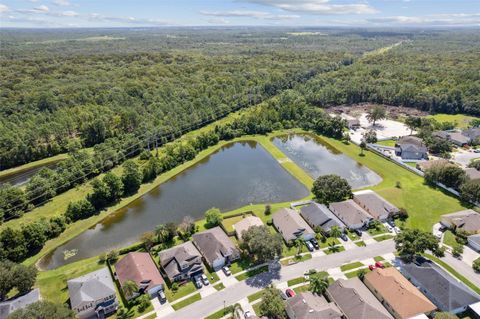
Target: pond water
(236, 175)
(23, 177)
(317, 158)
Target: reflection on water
(318, 158)
(235, 176)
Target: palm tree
(333, 247)
(378, 112)
(161, 232)
(335, 232)
(318, 284)
(234, 310)
(299, 244)
(129, 288)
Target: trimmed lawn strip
(383, 237)
(295, 281)
(337, 250)
(355, 273)
(378, 258)
(220, 314)
(327, 242)
(301, 289)
(351, 266)
(453, 272)
(152, 316)
(251, 273)
(187, 301)
(219, 286)
(296, 259)
(255, 296)
(449, 238)
(381, 230)
(360, 243)
(182, 291)
(387, 143)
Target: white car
(226, 271)
(247, 314)
(390, 228)
(205, 280)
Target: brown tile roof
(350, 212)
(356, 301)
(374, 204)
(404, 298)
(306, 305)
(245, 224)
(140, 268)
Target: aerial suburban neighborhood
(239, 159)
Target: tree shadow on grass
(263, 279)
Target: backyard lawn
(423, 203)
(228, 222)
(461, 120)
(449, 238)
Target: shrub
(476, 265)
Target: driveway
(464, 157)
(243, 289)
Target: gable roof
(306, 305)
(317, 214)
(350, 212)
(446, 292)
(140, 268)
(423, 166)
(468, 220)
(9, 306)
(174, 258)
(456, 137)
(290, 224)
(356, 301)
(90, 287)
(214, 243)
(245, 224)
(374, 203)
(411, 140)
(406, 300)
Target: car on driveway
(247, 314)
(226, 270)
(371, 267)
(309, 245)
(358, 232)
(205, 280)
(344, 237)
(290, 293)
(161, 296)
(379, 265)
(389, 228)
(283, 295)
(198, 282)
(315, 243)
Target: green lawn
(337, 250)
(251, 273)
(219, 286)
(383, 237)
(351, 266)
(377, 231)
(152, 316)
(327, 242)
(296, 259)
(387, 143)
(352, 274)
(352, 235)
(378, 258)
(220, 314)
(449, 238)
(240, 265)
(182, 291)
(255, 296)
(423, 203)
(461, 120)
(301, 289)
(296, 281)
(228, 222)
(186, 302)
(360, 243)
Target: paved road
(240, 290)
(463, 268)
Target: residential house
(318, 215)
(474, 242)
(351, 214)
(455, 138)
(181, 262)
(9, 306)
(354, 299)
(446, 292)
(291, 226)
(402, 299)
(140, 268)
(215, 246)
(375, 205)
(352, 122)
(411, 148)
(423, 166)
(472, 173)
(245, 224)
(306, 305)
(467, 220)
(93, 295)
(473, 134)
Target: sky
(139, 13)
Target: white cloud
(249, 14)
(320, 7)
(218, 21)
(453, 19)
(61, 2)
(68, 14)
(3, 8)
(127, 20)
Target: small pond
(317, 159)
(236, 175)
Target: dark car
(344, 237)
(161, 296)
(358, 232)
(315, 243)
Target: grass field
(228, 222)
(449, 238)
(186, 302)
(461, 120)
(387, 143)
(351, 266)
(423, 203)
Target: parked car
(379, 265)
(226, 270)
(344, 237)
(371, 267)
(161, 296)
(389, 228)
(198, 282)
(391, 222)
(290, 293)
(247, 314)
(397, 230)
(315, 243)
(358, 232)
(283, 295)
(309, 245)
(205, 280)
(476, 150)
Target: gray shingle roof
(214, 243)
(186, 255)
(290, 224)
(9, 306)
(90, 287)
(350, 212)
(446, 292)
(309, 306)
(319, 215)
(374, 204)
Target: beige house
(375, 205)
(467, 220)
(291, 225)
(351, 214)
(245, 224)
